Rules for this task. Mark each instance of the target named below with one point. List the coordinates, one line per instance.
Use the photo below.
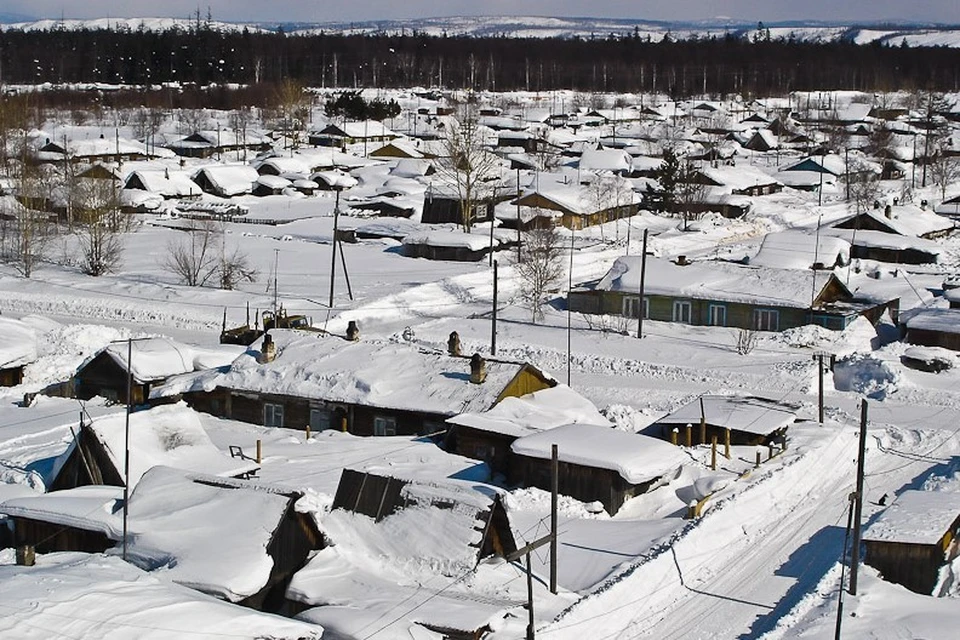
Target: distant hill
(913, 34)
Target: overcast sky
(947, 11)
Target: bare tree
(690, 194)
(203, 257)
(864, 186)
(193, 259)
(467, 164)
(30, 227)
(101, 227)
(292, 110)
(540, 268)
(944, 170)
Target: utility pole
(858, 504)
(643, 277)
(569, 314)
(493, 328)
(820, 386)
(550, 539)
(843, 566)
(333, 258)
(518, 214)
(554, 493)
(126, 444)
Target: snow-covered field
(762, 560)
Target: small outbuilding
(750, 420)
(18, 348)
(595, 463)
(913, 538)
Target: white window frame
(766, 320)
(272, 414)
(678, 307)
(629, 308)
(384, 426)
(717, 312)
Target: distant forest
(714, 66)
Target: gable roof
(534, 412)
(159, 357)
(799, 250)
(371, 373)
(737, 413)
(169, 435)
(916, 517)
(723, 281)
(635, 457)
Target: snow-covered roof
(99, 597)
(717, 281)
(534, 412)
(159, 358)
(360, 130)
(286, 164)
(636, 458)
(742, 176)
(230, 180)
(171, 184)
(799, 250)
(912, 221)
(171, 514)
(935, 319)
(18, 343)
(916, 517)
(167, 435)
(273, 182)
(749, 415)
(368, 372)
(452, 239)
(92, 508)
(605, 160)
(883, 240)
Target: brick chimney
(453, 344)
(478, 369)
(682, 261)
(353, 331)
(268, 351)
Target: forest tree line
(713, 66)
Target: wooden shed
(595, 463)
(913, 538)
(935, 327)
(378, 496)
(750, 420)
(83, 519)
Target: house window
(383, 426)
(319, 420)
(717, 315)
(682, 311)
(272, 415)
(766, 320)
(631, 305)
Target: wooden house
(339, 135)
(166, 183)
(909, 221)
(227, 538)
(913, 538)
(226, 181)
(750, 421)
(18, 348)
(935, 327)
(154, 360)
(378, 496)
(420, 530)
(167, 435)
(595, 463)
(723, 295)
(578, 206)
(488, 435)
(82, 519)
(207, 143)
(363, 387)
(890, 247)
(455, 245)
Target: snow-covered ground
(763, 559)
